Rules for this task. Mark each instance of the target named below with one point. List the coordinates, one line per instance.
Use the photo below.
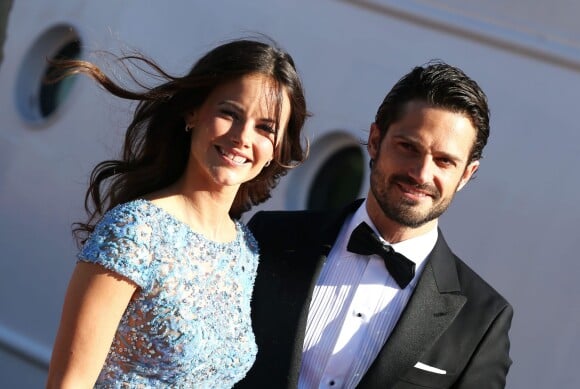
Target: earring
(187, 128)
(371, 163)
(267, 163)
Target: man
(329, 312)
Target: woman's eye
(229, 113)
(267, 128)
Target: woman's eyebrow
(241, 109)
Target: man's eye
(445, 161)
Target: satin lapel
(432, 308)
(323, 236)
(318, 258)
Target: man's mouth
(411, 188)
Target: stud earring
(187, 128)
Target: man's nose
(421, 170)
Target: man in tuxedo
(372, 297)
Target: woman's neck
(206, 212)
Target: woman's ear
(190, 118)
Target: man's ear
(470, 169)
(374, 142)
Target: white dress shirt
(355, 306)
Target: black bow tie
(364, 241)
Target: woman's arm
(94, 304)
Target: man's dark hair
(443, 86)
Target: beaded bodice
(188, 325)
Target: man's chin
(416, 206)
(411, 222)
(412, 216)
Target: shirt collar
(416, 249)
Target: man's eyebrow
(416, 142)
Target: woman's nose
(241, 134)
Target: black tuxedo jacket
(454, 320)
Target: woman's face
(234, 130)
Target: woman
(160, 295)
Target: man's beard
(404, 211)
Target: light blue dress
(188, 325)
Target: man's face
(421, 163)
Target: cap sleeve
(121, 243)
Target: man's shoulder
(289, 218)
(477, 288)
(279, 228)
(307, 232)
(447, 266)
(308, 220)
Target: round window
(37, 99)
(331, 177)
(338, 181)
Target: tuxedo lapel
(432, 308)
(317, 257)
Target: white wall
(515, 224)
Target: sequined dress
(189, 325)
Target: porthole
(338, 180)
(331, 177)
(36, 99)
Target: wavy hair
(156, 147)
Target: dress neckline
(199, 235)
